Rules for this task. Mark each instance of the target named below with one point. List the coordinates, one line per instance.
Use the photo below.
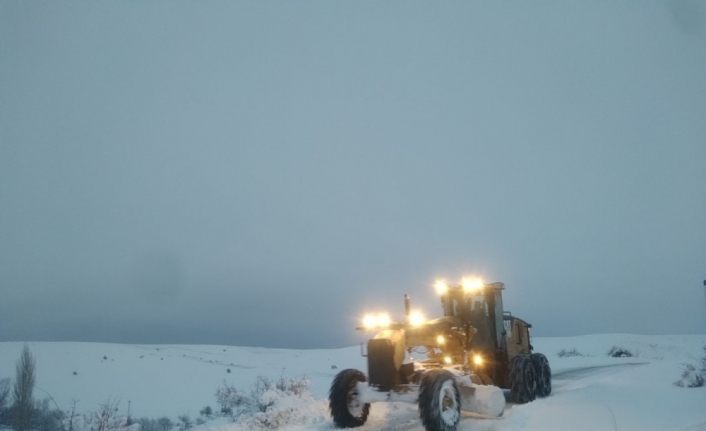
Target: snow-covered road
(591, 398)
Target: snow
(590, 392)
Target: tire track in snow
(575, 373)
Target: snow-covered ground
(591, 392)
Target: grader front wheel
(344, 400)
(439, 401)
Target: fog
(261, 173)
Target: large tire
(523, 379)
(544, 374)
(439, 401)
(344, 402)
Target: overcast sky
(261, 173)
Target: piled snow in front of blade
(488, 401)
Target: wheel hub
(355, 407)
(448, 404)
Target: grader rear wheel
(523, 379)
(544, 374)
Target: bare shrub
(184, 423)
(569, 353)
(72, 415)
(165, 424)
(46, 418)
(4, 401)
(106, 417)
(161, 424)
(619, 352)
(4, 393)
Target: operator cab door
(518, 337)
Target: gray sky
(261, 173)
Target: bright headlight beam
(376, 321)
(441, 287)
(369, 321)
(416, 318)
(383, 320)
(471, 284)
(477, 360)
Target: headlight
(440, 340)
(383, 320)
(369, 321)
(471, 284)
(478, 360)
(441, 287)
(448, 360)
(416, 318)
(374, 321)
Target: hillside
(592, 391)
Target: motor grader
(471, 358)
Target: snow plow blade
(487, 401)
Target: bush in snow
(619, 352)
(165, 424)
(693, 376)
(161, 424)
(273, 403)
(46, 418)
(184, 423)
(265, 387)
(283, 401)
(106, 418)
(206, 411)
(43, 417)
(564, 353)
(147, 424)
(232, 401)
(24, 413)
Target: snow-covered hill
(592, 391)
